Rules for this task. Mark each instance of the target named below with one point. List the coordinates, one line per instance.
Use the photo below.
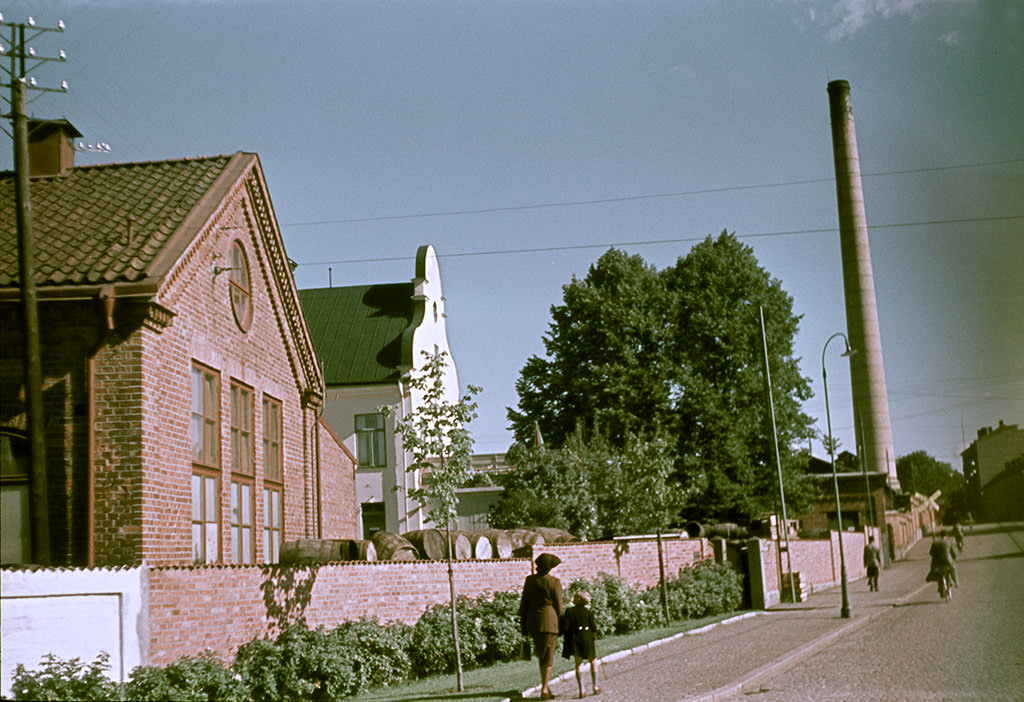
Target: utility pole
(23, 61)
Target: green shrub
(65, 680)
(499, 614)
(381, 653)
(433, 648)
(617, 607)
(702, 590)
(189, 679)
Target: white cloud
(841, 19)
(951, 38)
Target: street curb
(795, 656)
(570, 674)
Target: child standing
(581, 639)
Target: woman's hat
(582, 597)
(546, 561)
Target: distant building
(369, 339)
(993, 468)
(182, 396)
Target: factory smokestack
(867, 372)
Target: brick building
(181, 392)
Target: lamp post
(845, 612)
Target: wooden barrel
(553, 535)
(696, 529)
(313, 551)
(429, 543)
(523, 541)
(363, 550)
(481, 547)
(501, 544)
(392, 547)
(462, 549)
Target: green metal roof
(361, 333)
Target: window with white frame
(371, 446)
(205, 424)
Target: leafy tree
(637, 351)
(920, 472)
(435, 434)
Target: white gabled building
(369, 339)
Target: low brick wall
(195, 608)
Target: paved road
(902, 644)
(926, 649)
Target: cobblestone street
(903, 643)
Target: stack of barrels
(424, 544)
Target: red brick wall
(338, 487)
(226, 606)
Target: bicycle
(946, 587)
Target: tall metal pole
(33, 375)
(778, 462)
(845, 612)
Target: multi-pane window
(205, 518)
(241, 429)
(205, 466)
(272, 439)
(271, 524)
(16, 545)
(370, 440)
(205, 423)
(242, 543)
(273, 459)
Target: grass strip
(508, 680)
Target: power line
(652, 242)
(631, 198)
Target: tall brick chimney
(50, 148)
(870, 398)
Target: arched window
(240, 285)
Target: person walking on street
(872, 561)
(958, 534)
(540, 611)
(581, 639)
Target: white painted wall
(72, 614)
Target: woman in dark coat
(581, 639)
(540, 610)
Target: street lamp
(846, 612)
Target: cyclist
(958, 534)
(942, 563)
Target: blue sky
(523, 138)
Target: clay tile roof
(81, 220)
(357, 331)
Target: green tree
(635, 351)
(435, 434)
(605, 366)
(920, 472)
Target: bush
(381, 653)
(65, 680)
(433, 648)
(702, 590)
(617, 608)
(499, 615)
(188, 679)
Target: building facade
(369, 339)
(182, 396)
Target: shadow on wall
(287, 592)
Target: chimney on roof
(50, 147)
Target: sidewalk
(734, 656)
